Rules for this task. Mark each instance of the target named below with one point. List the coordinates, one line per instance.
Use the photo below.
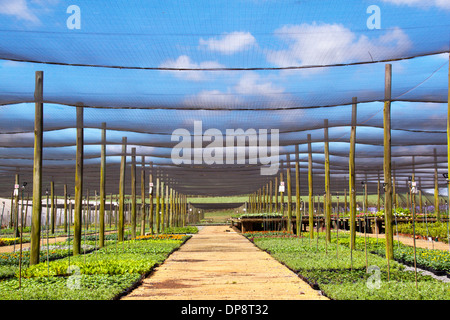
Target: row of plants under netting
(7, 235)
(97, 274)
(398, 212)
(434, 260)
(344, 274)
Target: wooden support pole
(345, 202)
(65, 209)
(16, 208)
(167, 206)
(265, 191)
(289, 193)
(11, 211)
(413, 196)
(387, 164)
(420, 202)
(282, 183)
(366, 196)
(448, 149)
(436, 188)
(327, 199)
(88, 210)
(178, 216)
(310, 189)
(110, 209)
(394, 184)
(158, 204)
(77, 221)
(163, 203)
(297, 191)
(172, 219)
(123, 164)
(270, 196)
(150, 194)
(259, 200)
(133, 193)
(351, 178)
(276, 194)
(143, 195)
(378, 193)
(52, 206)
(37, 168)
(101, 238)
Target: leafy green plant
(341, 274)
(91, 287)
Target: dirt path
(409, 241)
(219, 265)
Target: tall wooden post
(366, 196)
(345, 202)
(174, 220)
(413, 195)
(16, 208)
(167, 206)
(310, 190)
(101, 238)
(387, 164)
(436, 188)
(11, 211)
(270, 196)
(276, 194)
(52, 206)
(123, 164)
(448, 143)
(142, 195)
(297, 192)
(184, 210)
(394, 193)
(351, 178)
(65, 209)
(77, 223)
(259, 200)
(88, 210)
(150, 191)
(281, 182)
(110, 209)
(37, 168)
(133, 193)
(420, 196)
(289, 193)
(163, 203)
(158, 217)
(378, 193)
(262, 190)
(327, 183)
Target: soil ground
(220, 264)
(409, 241)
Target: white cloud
(325, 44)
(229, 43)
(250, 90)
(251, 84)
(443, 4)
(211, 99)
(184, 62)
(18, 9)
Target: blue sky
(222, 34)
